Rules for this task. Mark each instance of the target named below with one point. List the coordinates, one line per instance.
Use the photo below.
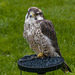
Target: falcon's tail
(65, 68)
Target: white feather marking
(39, 17)
(26, 15)
(29, 20)
(30, 26)
(28, 9)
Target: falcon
(41, 35)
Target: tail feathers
(65, 68)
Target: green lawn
(12, 44)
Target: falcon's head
(34, 14)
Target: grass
(12, 44)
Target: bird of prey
(41, 35)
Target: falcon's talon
(40, 55)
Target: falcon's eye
(36, 13)
(40, 13)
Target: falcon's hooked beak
(31, 14)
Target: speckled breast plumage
(34, 36)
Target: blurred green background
(12, 44)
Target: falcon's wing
(49, 31)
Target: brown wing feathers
(49, 31)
